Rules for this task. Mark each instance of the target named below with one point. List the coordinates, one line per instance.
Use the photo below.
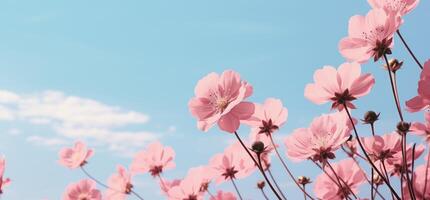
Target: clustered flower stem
(237, 189)
(367, 156)
(276, 184)
(409, 49)
(258, 165)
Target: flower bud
(303, 180)
(261, 184)
(394, 65)
(258, 147)
(377, 180)
(403, 127)
(370, 117)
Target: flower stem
(405, 168)
(264, 194)
(276, 184)
(367, 156)
(237, 190)
(286, 167)
(393, 88)
(409, 49)
(257, 164)
(340, 180)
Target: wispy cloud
(72, 117)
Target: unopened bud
(258, 147)
(394, 65)
(261, 184)
(377, 180)
(403, 127)
(303, 180)
(370, 117)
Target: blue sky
(137, 62)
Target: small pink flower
(193, 186)
(419, 182)
(154, 159)
(422, 100)
(268, 117)
(221, 99)
(348, 171)
(76, 156)
(339, 86)
(166, 185)
(382, 147)
(119, 185)
(369, 36)
(421, 129)
(3, 181)
(220, 195)
(395, 164)
(82, 190)
(401, 7)
(319, 142)
(234, 163)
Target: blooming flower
(193, 186)
(369, 36)
(421, 183)
(319, 142)
(395, 163)
(234, 163)
(382, 147)
(154, 159)
(119, 185)
(401, 7)
(220, 99)
(422, 100)
(166, 185)
(220, 195)
(82, 190)
(348, 171)
(76, 156)
(421, 129)
(269, 116)
(340, 86)
(3, 181)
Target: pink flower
(369, 36)
(269, 116)
(395, 164)
(119, 185)
(421, 129)
(220, 99)
(234, 163)
(401, 7)
(193, 186)
(319, 142)
(166, 185)
(348, 171)
(154, 159)
(3, 181)
(76, 156)
(339, 86)
(382, 147)
(220, 195)
(422, 101)
(419, 183)
(82, 190)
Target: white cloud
(14, 131)
(72, 117)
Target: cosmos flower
(119, 185)
(3, 181)
(268, 117)
(422, 100)
(82, 190)
(422, 129)
(154, 159)
(76, 156)
(382, 147)
(402, 7)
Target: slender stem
(276, 184)
(375, 188)
(339, 179)
(210, 194)
(331, 178)
(425, 182)
(264, 174)
(365, 153)
(388, 177)
(413, 165)
(237, 190)
(264, 194)
(371, 186)
(393, 88)
(372, 126)
(137, 195)
(257, 164)
(409, 49)
(405, 168)
(304, 188)
(286, 167)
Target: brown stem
(339, 179)
(276, 184)
(405, 168)
(264, 194)
(393, 88)
(237, 190)
(409, 49)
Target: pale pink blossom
(369, 36)
(3, 181)
(401, 7)
(382, 147)
(325, 135)
(422, 129)
(193, 186)
(76, 156)
(340, 86)
(155, 159)
(82, 190)
(422, 100)
(348, 171)
(394, 164)
(166, 185)
(234, 163)
(220, 99)
(421, 189)
(268, 117)
(119, 185)
(220, 195)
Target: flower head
(234, 163)
(3, 181)
(220, 99)
(119, 185)
(166, 185)
(422, 129)
(348, 171)
(268, 117)
(369, 36)
(82, 190)
(402, 7)
(76, 156)
(154, 159)
(340, 86)
(220, 195)
(395, 163)
(420, 183)
(382, 147)
(193, 186)
(319, 142)
(422, 100)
